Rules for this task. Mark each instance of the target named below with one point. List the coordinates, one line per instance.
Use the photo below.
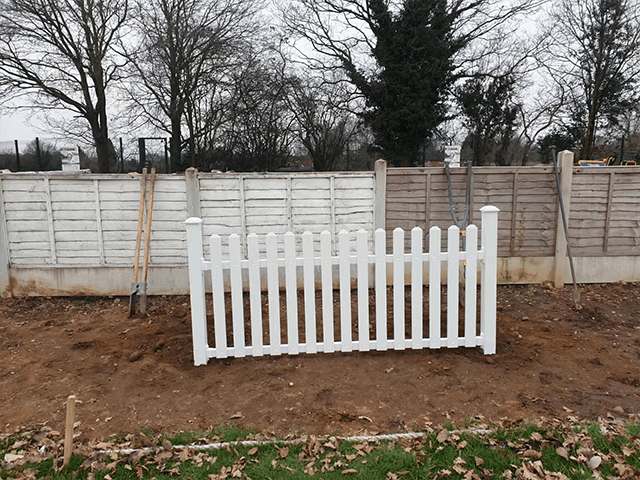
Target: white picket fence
(279, 271)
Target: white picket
(237, 308)
(345, 291)
(198, 298)
(309, 293)
(489, 292)
(327, 292)
(363, 291)
(453, 292)
(381, 289)
(217, 287)
(416, 288)
(471, 286)
(398, 289)
(291, 292)
(434, 288)
(255, 295)
(359, 262)
(273, 295)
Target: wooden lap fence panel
(284, 320)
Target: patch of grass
(634, 429)
(6, 443)
(516, 451)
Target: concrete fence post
(5, 285)
(380, 194)
(489, 287)
(193, 192)
(561, 260)
(196, 291)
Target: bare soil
(552, 361)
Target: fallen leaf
(563, 453)
(459, 469)
(532, 454)
(236, 415)
(623, 469)
(442, 436)
(349, 470)
(536, 437)
(11, 457)
(594, 462)
(253, 451)
(283, 452)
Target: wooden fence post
(380, 194)
(68, 429)
(489, 287)
(561, 261)
(5, 285)
(193, 192)
(196, 291)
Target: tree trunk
(101, 141)
(176, 141)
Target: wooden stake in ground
(68, 429)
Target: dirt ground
(552, 361)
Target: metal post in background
(142, 154)
(17, 155)
(121, 157)
(166, 158)
(38, 154)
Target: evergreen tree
(489, 111)
(414, 51)
(403, 58)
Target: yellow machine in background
(604, 162)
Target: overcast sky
(14, 126)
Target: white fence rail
(250, 331)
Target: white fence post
(5, 284)
(196, 291)
(489, 278)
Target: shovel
(135, 286)
(147, 248)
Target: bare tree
(324, 123)
(183, 48)
(595, 56)
(259, 131)
(60, 55)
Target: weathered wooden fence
(605, 211)
(88, 220)
(74, 234)
(603, 205)
(247, 335)
(526, 197)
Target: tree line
(248, 84)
